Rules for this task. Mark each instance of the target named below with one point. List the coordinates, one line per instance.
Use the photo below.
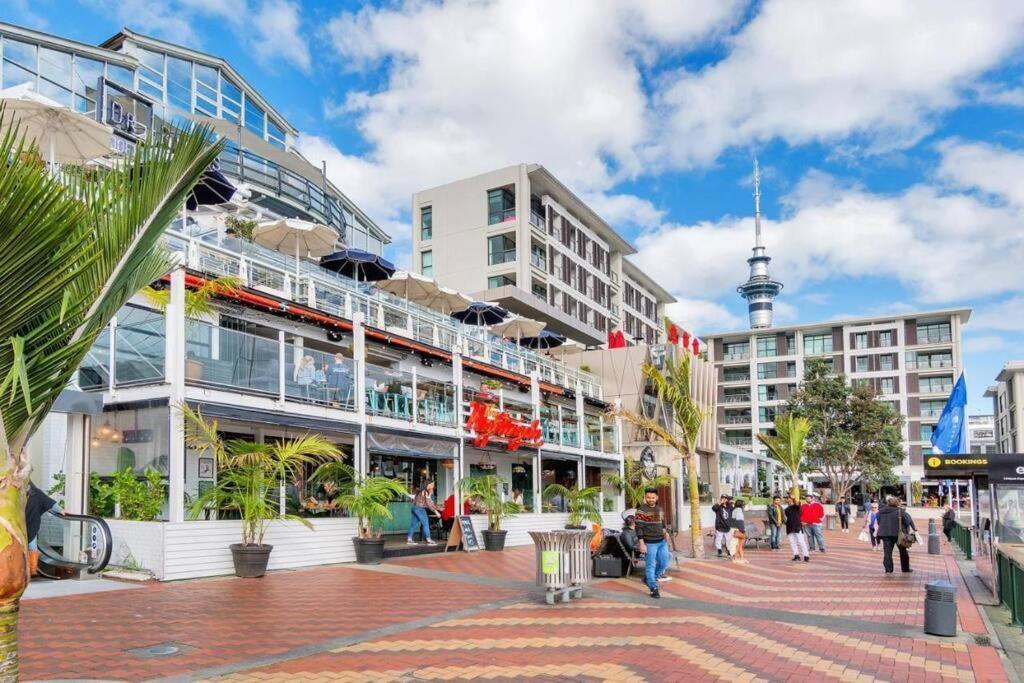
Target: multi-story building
(911, 360)
(518, 236)
(404, 391)
(982, 434)
(1007, 407)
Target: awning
(402, 443)
(548, 455)
(295, 422)
(78, 402)
(602, 462)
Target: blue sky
(888, 132)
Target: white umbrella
(518, 327)
(67, 136)
(292, 235)
(447, 301)
(410, 286)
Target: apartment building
(520, 237)
(910, 360)
(982, 434)
(1006, 406)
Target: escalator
(69, 544)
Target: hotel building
(911, 360)
(520, 237)
(1007, 407)
(408, 376)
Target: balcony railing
(925, 363)
(737, 419)
(536, 219)
(737, 398)
(936, 389)
(539, 261)
(736, 441)
(742, 355)
(938, 338)
(497, 257)
(736, 378)
(504, 216)
(338, 295)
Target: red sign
(501, 426)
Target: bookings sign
(1001, 468)
(502, 427)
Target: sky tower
(760, 289)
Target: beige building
(911, 360)
(1007, 405)
(518, 236)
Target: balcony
(496, 258)
(737, 441)
(742, 355)
(737, 419)
(925, 363)
(744, 377)
(538, 261)
(503, 216)
(937, 338)
(736, 398)
(536, 219)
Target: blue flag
(950, 434)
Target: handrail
(51, 556)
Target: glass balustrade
(139, 347)
(592, 432)
(435, 402)
(216, 356)
(570, 429)
(609, 437)
(388, 392)
(313, 376)
(94, 372)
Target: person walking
(795, 531)
(811, 514)
(870, 525)
(776, 521)
(843, 510)
(422, 502)
(650, 525)
(948, 520)
(891, 520)
(722, 529)
(739, 533)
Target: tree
(854, 436)
(76, 247)
(787, 446)
(634, 482)
(674, 392)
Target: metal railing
(536, 219)
(737, 398)
(736, 378)
(734, 441)
(940, 338)
(503, 216)
(538, 261)
(496, 258)
(925, 363)
(961, 535)
(737, 419)
(332, 293)
(736, 356)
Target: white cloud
(984, 344)
(933, 240)
(701, 316)
(1006, 314)
(279, 33)
(984, 167)
(824, 71)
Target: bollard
(933, 538)
(940, 608)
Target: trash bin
(830, 522)
(934, 547)
(940, 608)
(563, 562)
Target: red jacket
(812, 513)
(449, 507)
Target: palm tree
(686, 416)
(76, 247)
(634, 483)
(581, 504)
(198, 301)
(787, 446)
(486, 490)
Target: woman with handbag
(739, 536)
(895, 530)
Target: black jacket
(948, 518)
(35, 507)
(889, 522)
(722, 515)
(793, 523)
(843, 509)
(771, 514)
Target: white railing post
(288, 285)
(561, 428)
(175, 374)
(600, 435)
(348, 305)
(192, 254)
(280, 367)
(415, 398)
(310, 292)
(243, 270)
(112, 356)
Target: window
(88, 73)
(818, 343)
(932, 408)
(501, 249)
(230, 100)
(539, 290)
(427, 263)
(885, 338)
(860, 364)
(860, 340)
(765, 346)
(791, 369)
(767, 371)
(926, 451)
(501, 205)
(275, 134)
(179, 85)
(767, 392)
(887, 385)
(118, 74)
(940, 384)
(255, 118)
(501, 280)
(790, 345)
(926, 432)
(767, 414)
(862, 382)
(207, 79)
(735, 374)
(736, 350)
(538, 255)
(885, 361)
(933, 333)
(151, 74)
(426, 222)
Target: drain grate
(982, 639)
(168, 649)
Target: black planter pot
(494, 540)
(250, 560)
(369, 550)
(579, 527)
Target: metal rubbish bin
(563, 562)
(940, 608)
(830, 522)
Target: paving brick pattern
(837, 618)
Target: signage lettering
(502, 426)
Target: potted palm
(634, 482)
(368, 500)
(249, 480)
(581, 504)
(486, 490)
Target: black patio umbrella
(359, 265)
(481, 313)
(213, 188)
(545, 340)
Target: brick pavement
(469, 617)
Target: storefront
(414, 461)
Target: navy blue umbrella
(359, 265)
(545, 340)
(481, 313)
(213, 188)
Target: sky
(889, 133)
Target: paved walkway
(462, 617)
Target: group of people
(335, 377)
(730, 527)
